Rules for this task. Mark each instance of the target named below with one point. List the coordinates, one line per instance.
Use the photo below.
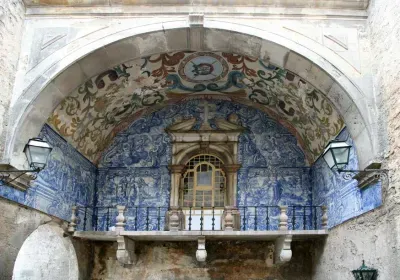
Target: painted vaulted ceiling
(91, 116)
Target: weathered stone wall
(17, 223)
(12, 14)
(374, 236)
(46, 255)
(226, 260)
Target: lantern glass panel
(328, 156)
(368, 275)
(336, 154)
(38, 156)
(342, 156)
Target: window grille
(203, 183)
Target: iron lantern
(37, 152)
(337, 154)
(365, 273)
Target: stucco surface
(375, 236)
(12, 15)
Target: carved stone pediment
(185, 125)
(223, 126)
(227, 126)
(226, 131)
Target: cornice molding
(208, 11)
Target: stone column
(72, 224)
(120, 225)
(231, 183)
(176, 175)
(283, 218)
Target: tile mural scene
(133, 171)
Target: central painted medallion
(203, 67)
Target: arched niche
(56, 77)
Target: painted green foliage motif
(94, 113)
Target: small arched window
(203, 183)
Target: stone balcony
(127, 225)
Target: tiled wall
(134, 172)
(68, 179)
(343, 198)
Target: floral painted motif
(91, 116)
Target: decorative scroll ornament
(365, 177)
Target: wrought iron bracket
(366, 176)
(18, 179)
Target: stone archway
(46, 255)
(56, 77)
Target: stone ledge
(194, 234)
(209, 11)
(338, 4)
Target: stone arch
(46, 254)
(55, 77)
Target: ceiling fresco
(91, 116)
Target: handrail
(156, 218)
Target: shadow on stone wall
(226, 260)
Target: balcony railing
(241, 218)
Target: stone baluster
(72, 224)
(120, 225)
(283, 218)
(228, 218)
(174, 219)
(324, 219)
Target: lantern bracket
(17, 178)
(5, 175)
(358, 174)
